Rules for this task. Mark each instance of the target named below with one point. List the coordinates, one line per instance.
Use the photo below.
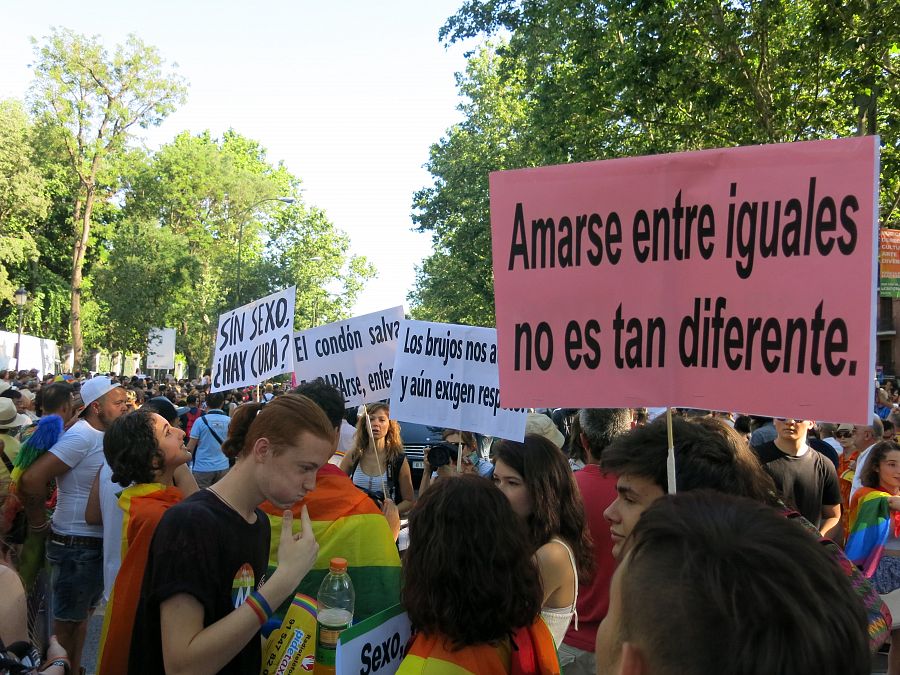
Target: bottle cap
(338, 564)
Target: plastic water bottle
(334, 614)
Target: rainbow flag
(143, 505)
(347, 524)
(871, 521)
(534, 653)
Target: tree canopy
(570, 81)
(111, 240)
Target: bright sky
(350, 94)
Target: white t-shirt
(112, 528)
(81, 449)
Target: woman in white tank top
(536, 479)
(381, 470)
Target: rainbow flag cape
(871, 522)
(347, 524)
(292, 647)
(143, 505)
(534, 653)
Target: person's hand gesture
(297, 552)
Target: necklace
(228, 503)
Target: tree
(598, 80)
(217, 193)
(146, 264)
(304, 248)
(455, 284)
(97, 100)
(23, 197)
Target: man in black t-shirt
(806, 479)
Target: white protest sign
(446, 375)
(36, 353)
(253, 341)
(355, 355)
(376, 645)
(161, 348)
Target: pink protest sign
(739, 279)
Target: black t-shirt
(806, 482)
(205, 549)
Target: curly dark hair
(879, 451)
(460, 525)
(131, 450)
(557, 510)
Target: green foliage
(23, 195)
(114, 241)
(455, 284)
(145, 265)
(220, 196)
(92, 101)
(579, 81)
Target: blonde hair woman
(382, 468)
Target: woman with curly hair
(383, 467)
(143, 450)
(490, 626)
(872, 543)
(536, 478)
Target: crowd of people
(197, 516)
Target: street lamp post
(21, 299)
(244, 213)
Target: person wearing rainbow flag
(347, 524)
(143, 450)
(489, 624)
(874, 540)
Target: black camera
(441, 454)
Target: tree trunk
(78, 254)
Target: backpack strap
(393, 472)
(7, 462)
(212, 431)
(214, 435)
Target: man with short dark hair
(806, 479)
(712, 584)
(599, 427)
(207, 434)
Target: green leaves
(581, 80)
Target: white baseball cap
(95, 388)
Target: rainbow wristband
(259, 605)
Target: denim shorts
(76, 577)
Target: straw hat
(9, 417)
(540, 424)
